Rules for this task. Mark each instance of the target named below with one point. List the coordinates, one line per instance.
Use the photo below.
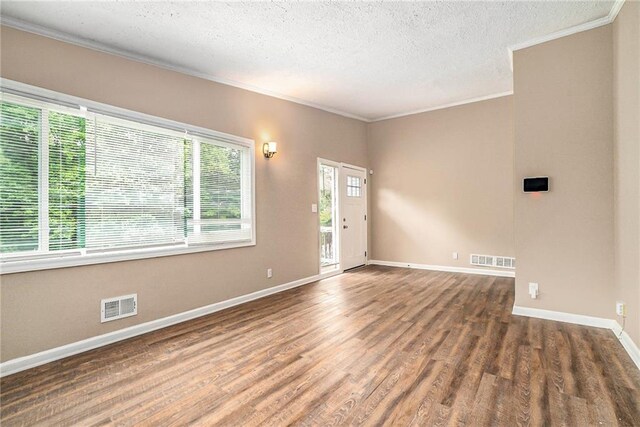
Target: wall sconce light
(269, 149)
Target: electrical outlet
(621, 309)
(454, 255)
(314, 208)
(533, 290)
(269, 273)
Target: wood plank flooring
(378, 346)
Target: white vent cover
(493, 261)
(118, 307)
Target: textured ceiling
(367, 59)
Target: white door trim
(340, 166)
(360, 168)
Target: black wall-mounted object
(536, 184)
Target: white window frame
(337, 212)
(44, 261)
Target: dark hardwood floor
(375, 346)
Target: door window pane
(354, 186)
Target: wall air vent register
(118, 307)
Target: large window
(79, 185)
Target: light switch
(314, 208)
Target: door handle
(345, 226)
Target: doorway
(342, 212)
(353, 195)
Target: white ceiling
(364, 59)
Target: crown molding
(89, 44)
(443, 106)
(19, 24)
(562, 33)
(613, 13)
(615, 9)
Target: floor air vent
(118, 307)
(493, 261)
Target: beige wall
(442, 183)
(564, 129)
(626, 98)
(45, 309)
(447, 180)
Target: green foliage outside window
(20, 128)
(327, 184)
(19, 137)
(326, 208)
(220, 182)
(66, 181)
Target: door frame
(340, 166)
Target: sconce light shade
(269, 149)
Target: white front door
(353, 225)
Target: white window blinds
(19, 163)
(78, 183)
(64, 213)
(134, 186)
(217, 212)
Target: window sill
(25, 265)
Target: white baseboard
(31, 361)
(627, 343)
(467, 270)
(579, 319)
